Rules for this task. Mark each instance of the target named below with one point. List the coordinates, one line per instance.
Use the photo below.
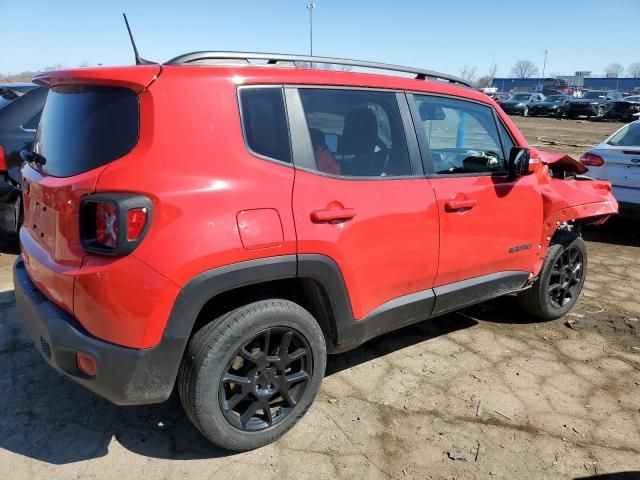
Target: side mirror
(519, 161)
(431, 112)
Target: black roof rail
(273, 58)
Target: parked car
(10, 91)
(520, 103)
(617, 160)
(627, 109)
(500, 97)
(184, 224)
(552, 106)
(592, 104)
(18, 123)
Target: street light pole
(544, 65)
(311, 7)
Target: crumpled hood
(564, 161)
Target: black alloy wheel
(566, 277)
(265, 379)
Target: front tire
(248, 376)
(561, 279)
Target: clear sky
(441, 35)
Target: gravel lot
(483, 393)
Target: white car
(617, 160)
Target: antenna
(139, 59)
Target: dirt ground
(483, 393)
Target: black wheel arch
(313, 280)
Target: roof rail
(274, 58)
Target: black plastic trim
(477, 290)
(202, 288)
(126, 376)
(123, 202)
(397, 313)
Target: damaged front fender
(570, 198)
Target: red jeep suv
(221, 222)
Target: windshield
(629, 136)
(84, 127)
(594, 95)
(521, 96)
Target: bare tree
(492, 70)
(468, 73)
(484, 81)
(55, 66)
(524, 69)
(614, 69)
(83, 64)
(633, 70)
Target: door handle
(455, 205)
(326, 216)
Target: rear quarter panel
(193, 164)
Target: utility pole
(544, 65)
(311, 7)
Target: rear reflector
(592, 160)
(86, 364)
(3, 161)
(136, 221)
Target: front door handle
(329, 215)
(456, 205)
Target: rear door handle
(326, 216)
(455, 205)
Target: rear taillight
(106, 225)
(113, 223)
(592, 160)
(3, 161)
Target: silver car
(617, 160)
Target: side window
(32, 123)
(264, 122)
(462, 136)
(356, 133)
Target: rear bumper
(126, 376)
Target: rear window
(629, 136)
(84, 127)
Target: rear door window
(84, 127)
(356, 133)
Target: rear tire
(560, 282)
(248, 376)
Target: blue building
(588, 83)
(529, 84)
(622, 84)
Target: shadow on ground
(623, 231)
(48, 418)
